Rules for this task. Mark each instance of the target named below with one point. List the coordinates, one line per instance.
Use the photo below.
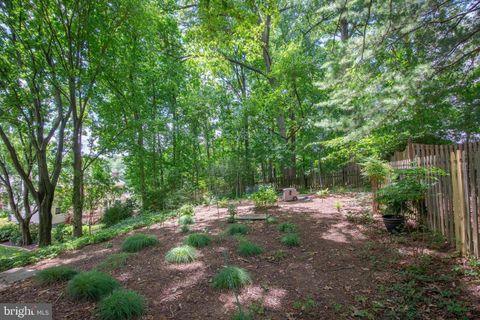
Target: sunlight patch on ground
(271, 298)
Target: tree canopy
(190, 100)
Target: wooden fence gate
(453, 203)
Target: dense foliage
(195, 102)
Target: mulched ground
(330, 268)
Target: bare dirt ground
(333, 268)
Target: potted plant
(406, 189)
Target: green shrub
(184, 228)
(264, 197)
(237, 228)
(186, 210)
(198, 240)
(139, 241)
(117, 213)
(287, 227)
(91, 285)
(114, 261)
(4, 214)
(322, 193)
(8, 230)
(16, 235)
(223, 203)
(291, 240)
(121, 304)
(247, 248)
(231, 277)
(55, 274)
(186, 220)
(182, 254)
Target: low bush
(186, 220)
(186, 210)
(247, 248)
(223, 203)
(264, 197)
(237, 228)
(182, 254)
(63, 232)
(231, 277)
(121, 304)
(138, 242)
(91, 285)
(198, 240)
(291, 240)
(322, 193)
(184, 228)
(117, 213)
(114, 261)
(8, 230)
(55, 274)
(287, 227)
(123, 227)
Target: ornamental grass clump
(287, 227)
(185, 220)
(237, 228)
(138, 242)
(247, 248)
(55, 274)
(121, 304)
(198, 240)
(231, 277)
(182, 254)
(291, 240)
(91, 285)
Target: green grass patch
(231, 277)
(121, 304)
(237, 228)
(198, 240)
(287, 227)
(91, 285)
(114, 261)
(247, 248)
(186, 220)
(28, 257)
(10, 252)
(138, 242)
(182, 254)
(55, 274)
(291, 240)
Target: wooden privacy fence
(349, 176)
(453, 203)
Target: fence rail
(453, 203)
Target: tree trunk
(45, 215)
(26, 235)
(77, 195)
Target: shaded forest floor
(347, 267)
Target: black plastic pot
(393, 223)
